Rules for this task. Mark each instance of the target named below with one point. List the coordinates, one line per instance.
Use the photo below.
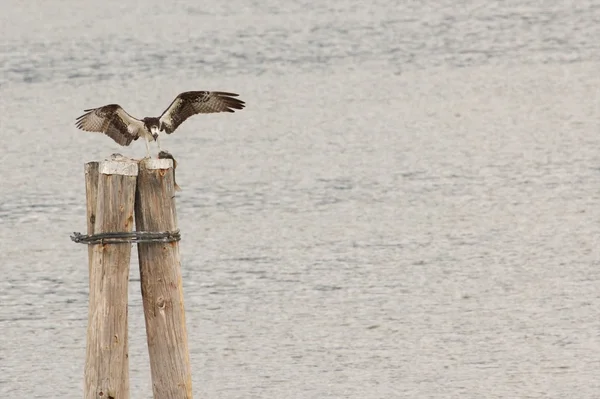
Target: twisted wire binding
(126, 237)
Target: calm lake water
(407, 208)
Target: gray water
(407, 207)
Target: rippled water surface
(407, 207)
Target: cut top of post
(157, 163)
(119, 165)
(125, 167)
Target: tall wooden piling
(160, 276)
(110, 190)
(91, 198)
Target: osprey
(123, 128)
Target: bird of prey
(123, 128)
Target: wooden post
(160, 275)
(107, 358)
(91, 197)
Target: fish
(165, 155)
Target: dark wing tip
(231, 103)
(104, 109)
(80, 119)
(225, 93)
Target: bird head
(152, 124)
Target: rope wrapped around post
(126, 237)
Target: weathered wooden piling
(160, 276)
(114, 190)
(91, 197)
(110, 192)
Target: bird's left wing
(197, 102)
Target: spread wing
(197, 102)
(113, 121)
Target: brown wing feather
(111, 120)
(197, 102)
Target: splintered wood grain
(162, 291)
(107, 357)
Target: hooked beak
(154, 131)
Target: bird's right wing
(113, 121)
